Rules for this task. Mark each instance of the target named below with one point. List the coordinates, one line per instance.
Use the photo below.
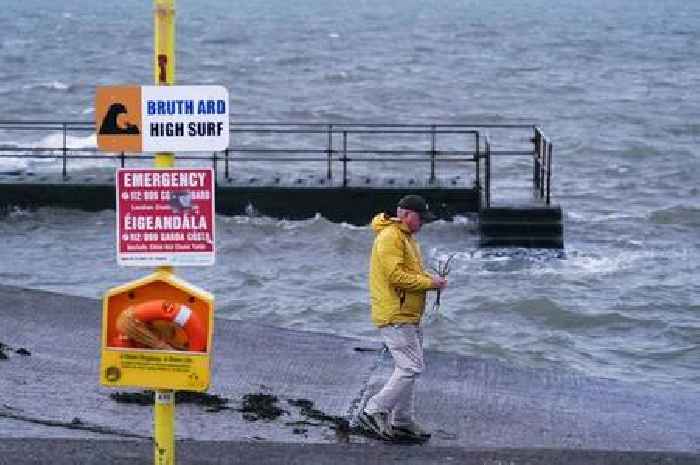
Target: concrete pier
(448, 164)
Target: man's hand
(439, 282)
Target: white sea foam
(591, 264)
(51, 145)
(55, 140)
(602, 217)
(12, 164)
(352, 227)
(51, 85)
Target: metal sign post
(157, 331)
(164, 59)
(164, 71)
(164, 434)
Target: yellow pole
(164, 59)
(164, 431)
(164, 73)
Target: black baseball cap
(417, 204)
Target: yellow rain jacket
(397, 281)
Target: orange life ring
(165, 310)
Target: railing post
(549, 172)
(65, 150)
(477, 157)
(488, 173)
(226, 174)
(535, 157)
(329, 174)
(215, 165)
(432, 154)
(543, 165)
(345, 159)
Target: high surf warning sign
(162, 118)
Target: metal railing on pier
(336, 147)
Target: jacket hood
(382, 221)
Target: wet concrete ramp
(315, 381)
(84, 452)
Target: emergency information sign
(165, 217)
(162, 118)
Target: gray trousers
(405, 343)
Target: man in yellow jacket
(398, 284)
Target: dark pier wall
(355, 205)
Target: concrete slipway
(53, 410)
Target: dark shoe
(410, 431)
(377, 423)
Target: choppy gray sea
(614, 83)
